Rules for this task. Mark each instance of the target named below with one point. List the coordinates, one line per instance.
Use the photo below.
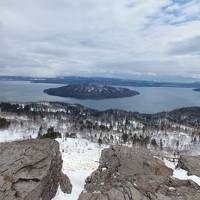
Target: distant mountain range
(16, 78)
(102, 81)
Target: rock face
(133, 173)
(31, 170)
(190, 164)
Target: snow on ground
(9, 135)
(170, 164)
(6, 135)
(77, 179)
(181, 173)
(80, 159)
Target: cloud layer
(100, 37)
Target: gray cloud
(188, 46)
(92, 37)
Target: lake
(150, 100)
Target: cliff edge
(31, 170)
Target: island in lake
(197, 89)
(91, 91)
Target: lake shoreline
(150, 100)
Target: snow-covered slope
(80, 159)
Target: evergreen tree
(100, 142)
(125, 137)
(154, 143)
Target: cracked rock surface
(135, 174)
(31, 170)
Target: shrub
(125, 137)
(51, 133)
(4, 123)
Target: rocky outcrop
(134, 173)
(65, 184)
(31, 170)
(190, 164)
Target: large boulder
(132, 161)
(190, 164)
(134, 173)
(31, 170)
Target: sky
(117, 38)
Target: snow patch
(80, 159)
(181, 173)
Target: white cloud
(51, 38)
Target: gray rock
(30, 170)
(65, 184)
(190, 164)
(134, 173)
(132, 161)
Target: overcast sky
(100, 37)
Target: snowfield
(80, 159)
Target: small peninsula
(197, 89)
(90, 91)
